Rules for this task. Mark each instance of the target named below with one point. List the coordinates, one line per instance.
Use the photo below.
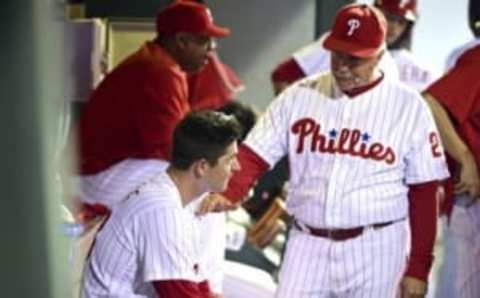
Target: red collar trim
(359, 90)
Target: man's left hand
(469, 180)
(215, 202)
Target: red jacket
(133, 112)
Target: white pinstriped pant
(460, 272)
(368, 266)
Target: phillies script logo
(345, 141)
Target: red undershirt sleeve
(252, 168)
(287, 71)
(423, 209)
(182, 289)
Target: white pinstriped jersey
(213, 230)
(112, 186)
(350, 159)
(149, 237)
(410, 71)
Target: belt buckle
(330, 234)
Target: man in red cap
(365, 158)
(214, 85)
(126, 127)
(133, 111)
(125, 131)
(401, 16)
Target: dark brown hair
(204, 134)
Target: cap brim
(216, 31)
(350, 48)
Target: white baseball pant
(368, 266)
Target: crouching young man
(150, 246)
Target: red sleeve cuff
(288, 71)
(419, 267)
(182, 289)
(252, 168)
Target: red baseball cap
(190, 17)
(403, 8)
(358, 30)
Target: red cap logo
(354, 24)
(358, 30)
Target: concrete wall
(263, 34)
(33, 253)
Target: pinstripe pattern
(369, 266)
(111, 186)
(350, 161)
(331, 189)
(213, 228)
(149, 237)
(410, 71)
(460, 276)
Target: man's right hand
(469, 180)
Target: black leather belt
(340, 234)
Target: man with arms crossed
(150, 245)
(456, 96)
(364, 156)
(125, 131)
(126, 127)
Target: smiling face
(352, 72)
(218, 175)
